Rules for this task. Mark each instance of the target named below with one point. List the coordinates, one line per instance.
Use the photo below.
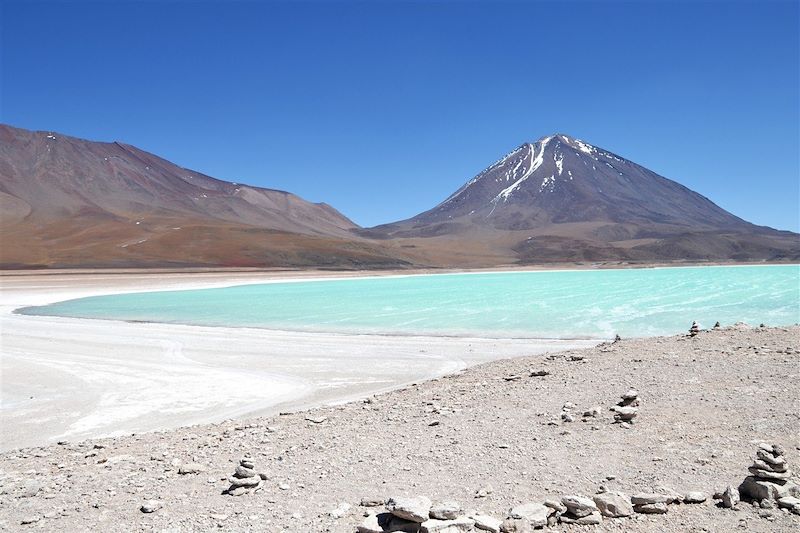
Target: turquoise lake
(554, 304)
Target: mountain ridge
(69, 202)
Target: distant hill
(68, 202)
(562, 199)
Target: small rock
(613, 504)
(579, 506)
(415, 509)
(191, 468)
(515, 525)
(594, 412)
(534, 513)
(316, 419)
(555, 505)
(537, 374)
(340, 510)
(372, 502)
(730, 497)
(30, 519)
(484, 491)
(791, 503)
(695, 497)
(151, 506)
(445, 510)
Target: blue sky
(382, 109)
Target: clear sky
(383, 109)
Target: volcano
(563, 199)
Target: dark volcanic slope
(574, 201)
(72, 202)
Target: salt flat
(66, 378)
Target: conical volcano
(562, 199)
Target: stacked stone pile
(244, 479)
(626, 409)
(771, 478)
(695, 329)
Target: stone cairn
(770, 480)
(694, 330)
(245, 479)
(626, 409)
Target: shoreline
(84, 378)
(490, 437)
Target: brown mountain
(68, 202)
(562, 199)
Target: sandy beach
(488, 438)
(65, 378)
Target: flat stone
(651, 508)
(445, 510)
(648, 498)
(613, 504)
(316, 419)
(534, 513)
(191, 468)
(151, 506)
(763, 465)
(30, 519)
(766, 474)
(237, 491)
(539, 373)
(588, 520)
(695, 497)
(788, 502)
(244, 481)
(579, 506)
(372, 502)
(416, 509)
(767, 457)
(487, 523)
(447, 526)
(246, 462)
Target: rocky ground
(489, 438)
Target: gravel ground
(706, 401)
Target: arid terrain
(490, 437)
(73, 203)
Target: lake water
(562, 304)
